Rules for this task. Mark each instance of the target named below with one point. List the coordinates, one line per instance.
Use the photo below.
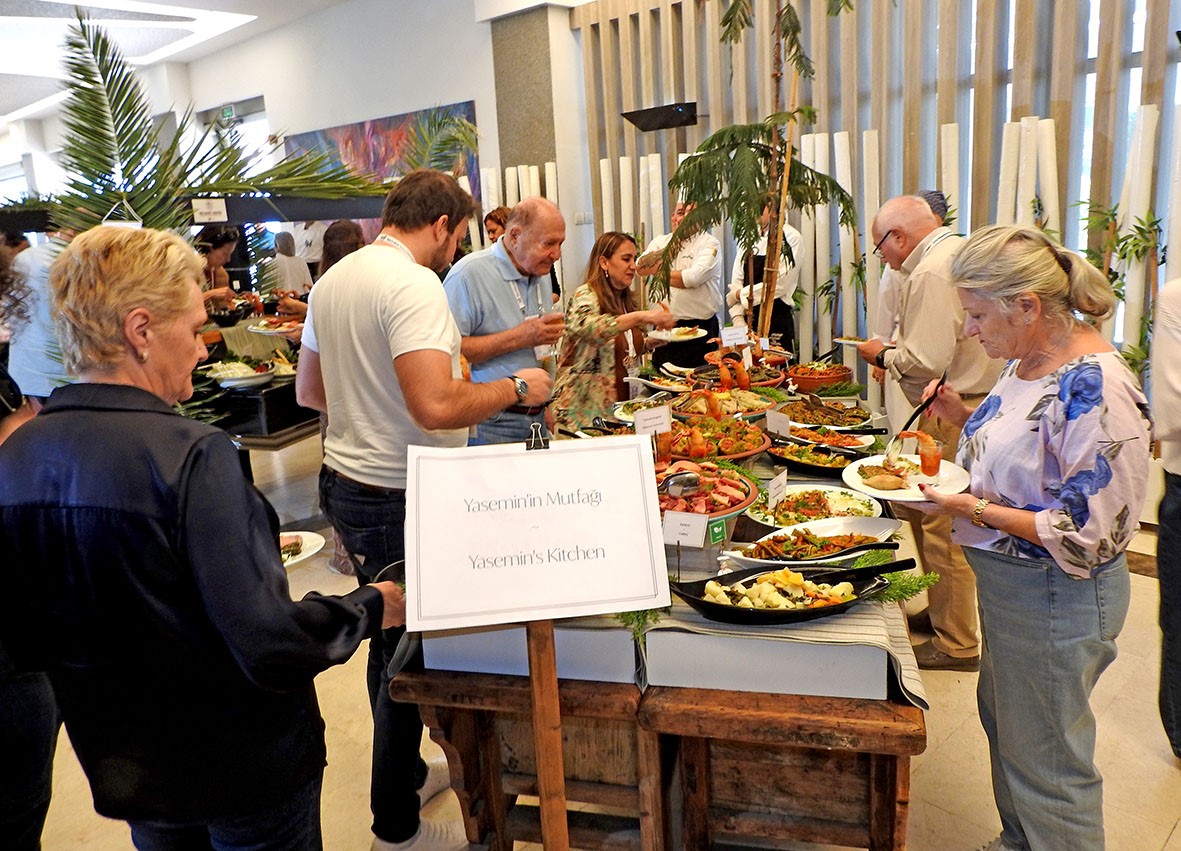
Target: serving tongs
(848, 451)
(827, 355)
(791, 562)
(894, 447)
(831, 574)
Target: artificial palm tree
(740, 170)
(118, 166)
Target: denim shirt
(142, 573)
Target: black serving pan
(803, 466)
(865, 581)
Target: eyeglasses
(877, 249)
(10, 395)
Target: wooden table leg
(651, 791)
(889, 801)
(695, 783)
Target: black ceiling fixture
(664, 117)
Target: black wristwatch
(879, 359)
(521, 386)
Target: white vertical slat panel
(1006, 192)
(1136, 290)
(1047, 170)
(823, 248)
(512, 187)
(1173, 258)
(607, 187)
(986, 95)
(949, 164)
(847, 237)
(656, 194)
(627, 195)
(807, 263)
(1026, 170)
(870, 202)
(526, 186)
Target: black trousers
(690, 353)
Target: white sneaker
(438, 779)
(431, 836)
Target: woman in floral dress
(604, 334)
(1058, 455)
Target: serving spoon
(683, 484)
(894, 447)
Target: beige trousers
(951, 600)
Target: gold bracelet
(978, 513)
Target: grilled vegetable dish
(783, 589)
(802, 544)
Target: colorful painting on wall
(379, 146)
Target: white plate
(313, 542)
(679, 387)
(876, 527)
(864, 440)
(874, 507)
(244, 381)
(671, 336)
(952, 479)
(629, 417)
(845, 341)
(671, 369)
(292, 325)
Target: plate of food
(899, 482)
(833, 415)
(804, 503)
(729, 403)
(711, 375)
(723, 493)
(626, 411)
(678, 335)
(848, 341)
(661, 382)
(294, 547)
(275, 327)
(237, 375)
(824, 436)
(759, 596)
(706, 438)
(807, 458)
(834, 539)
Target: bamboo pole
(547, 734)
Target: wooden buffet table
(677, 768)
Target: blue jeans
(1168, 569)
(1046, 640)
(371, 522)
(292, 825)
(506, 427)
(28, 738)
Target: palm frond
(736, 20)
(440, 139)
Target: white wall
(359, 60)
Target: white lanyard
(386, 239)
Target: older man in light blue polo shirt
(499, 298)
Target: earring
(1027, 320)
(143, 356)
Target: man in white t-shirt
(381, 357)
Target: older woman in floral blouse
(1058, 456)
(604, 333)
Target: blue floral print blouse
(1072, 446)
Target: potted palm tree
(742, 169)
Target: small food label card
(735, 335)
(684, 528)
(776, 488)
(499, 534)
(779, 423)
(653, 420)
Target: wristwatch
(521, 386)
(879, 359)
(978, 513)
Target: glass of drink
(930, 457)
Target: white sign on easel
(499, 534)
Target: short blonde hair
(104, 274)
(1002, 261)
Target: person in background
(34, 356)
(931, 341)
(341, 238)
(309, 243)
(13, 243)
(495, 223)
(501, 300)
(28, 713)
(144, 575)
(1166, 409)
(1058, 460)
(695, 289)
(381, 356)
(604, 334)
(294, 276)
(783, 307)
(216, 244)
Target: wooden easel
(547, 735)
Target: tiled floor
(951, 800)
